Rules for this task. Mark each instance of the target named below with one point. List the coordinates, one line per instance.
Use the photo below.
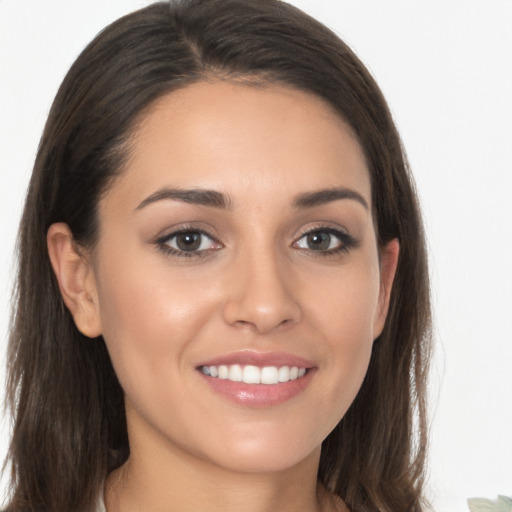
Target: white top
(100, 504)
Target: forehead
(243, 140)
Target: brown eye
(189, 242)
(319, 241)
(326, 241)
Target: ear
(76, 279)
(388, 264)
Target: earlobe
(76, 279)
(388, 265)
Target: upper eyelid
(165, 241)
(185, 228)
(181, 231)
(323, 226)
(347, 240)
(163, 244)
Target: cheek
(345, 304)
(146, 316)
(345, 317)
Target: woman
(222, 295)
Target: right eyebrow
(199, 196)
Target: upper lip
(260, 359)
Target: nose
(261, 294)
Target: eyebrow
(327, 195)
(215, 199)
(198, 196)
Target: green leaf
(502, 504)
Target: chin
(267, 461)
(264, 452)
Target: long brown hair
(69, 425)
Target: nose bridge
(262, 293)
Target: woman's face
(239, 244)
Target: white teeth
(223, 371)
(270, 375)
(235, 373)
(250, 374)
(284, 374)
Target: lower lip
(259, 395)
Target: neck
(165, 476)
(143, 483)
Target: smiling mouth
(250, 374)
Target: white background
(445, 67)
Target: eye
(188, 243)
(325, 240)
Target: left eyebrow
(327, 195)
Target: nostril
(264, 325)
(261, 297)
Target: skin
(257, 284)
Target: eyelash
(346, 242)
(163, 243)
